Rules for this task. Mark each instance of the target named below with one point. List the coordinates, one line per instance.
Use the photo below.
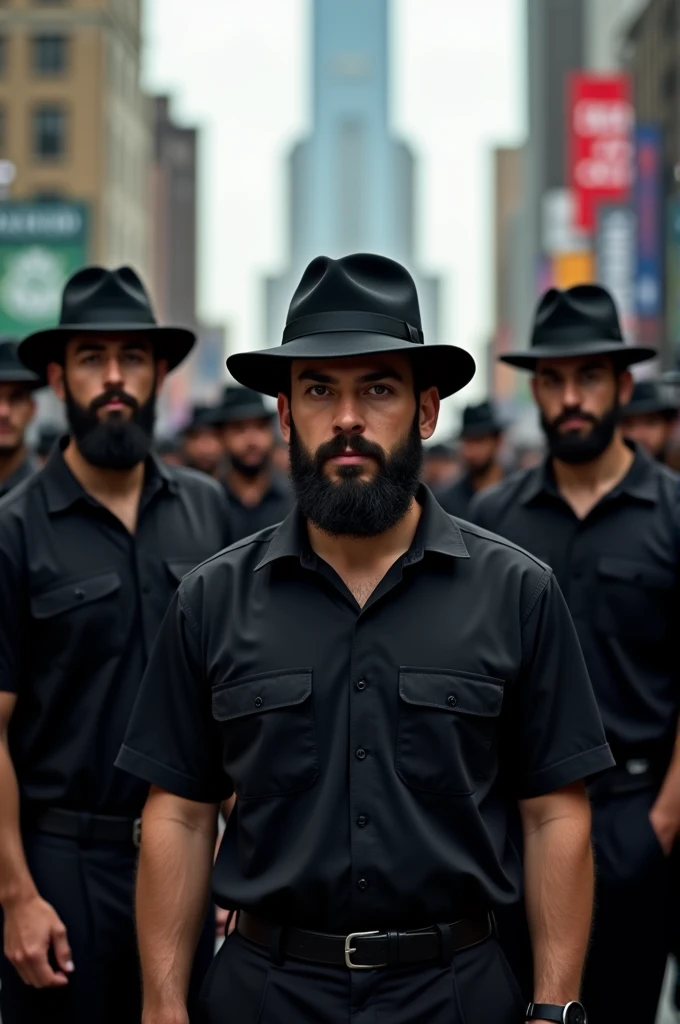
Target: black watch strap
(545, 1011)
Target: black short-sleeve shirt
(378, 753)
(276, 503)
(81, 602)
(618, 569)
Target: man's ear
(626, 385)
(161, 373)
(428, 412)
(55, 379)
(283, 406)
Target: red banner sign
(600, 143)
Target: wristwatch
(572, 1013)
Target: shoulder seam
(502, 541)
(538, 590)
(188, 612)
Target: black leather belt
(366, 950)
(92, 828)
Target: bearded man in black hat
(17, 409)
(650, 418)
(91, 550)
(201, 446)
(602, 513)
(481, 438)
(256, 494)
(385, 690)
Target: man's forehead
(14, 387)
(572, 364)
(354, 367)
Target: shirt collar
(63, 490)
(639, 482)
(27, 468)
(437, 532)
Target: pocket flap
(178, 570)
(636, 572)
(262, 693)
(460, 692)
(73, 595)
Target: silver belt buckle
(349, 949)
(137, 832)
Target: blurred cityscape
(93, 169)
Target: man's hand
(32, 927)
(666, 828)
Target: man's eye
(318, 390)
(379, 390)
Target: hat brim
(19, 376)
(171, 343)
(247, 412)
(480, 430)
(625, 354)
(446, 367)
(649, 408)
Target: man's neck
(582, 485)
(250, 490)
(351, 556)
(106, 485)
(10, 462)
(492, 475)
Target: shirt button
(79, 594)
(451, 700)
(362, 821)
(362, 884)
(361, 685)
(258, 702)
(361, 753)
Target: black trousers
(633, 908)
(91, 887)
(245, 986)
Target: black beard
(248, 469)
(350, 507)
(474, 472)
(577, 450)
(114, 443)
(7, 450)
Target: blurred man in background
(17, 409)
(440, 465)
(91, 550)
(257, 496)
(650, 418)
(602, 514)
(48, 435)
(481, 438)
(202, 447)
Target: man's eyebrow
(376, 375)
(317, 377)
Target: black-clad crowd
(439, 728)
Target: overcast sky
(239, 69)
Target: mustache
(354, 443)
(116, 394)
(569, 414)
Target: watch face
(575, 1014)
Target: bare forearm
(559, 900)
(668, 800)
(173, 888)
(16, 882)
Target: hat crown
(647, 391)
(586, 312)
(237, 397)
(483, 412)
(11, 364)
(362, 283)
(97, 296)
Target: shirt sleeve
(556, 733)
(13, 603)
(172, 740)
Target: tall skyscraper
(351, 181)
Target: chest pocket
(448, 730)
(634, 600)
(81, 617)
(269, 735)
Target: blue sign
(647, 198)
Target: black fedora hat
(202, 416)
(480, 421)
(12, 370)
(240, 403)
(99, 301)
(650, 396)
(355, 306)
(581, 321)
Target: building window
(49, 133)
(50, 54)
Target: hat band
(101, 317)
(349, 320)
